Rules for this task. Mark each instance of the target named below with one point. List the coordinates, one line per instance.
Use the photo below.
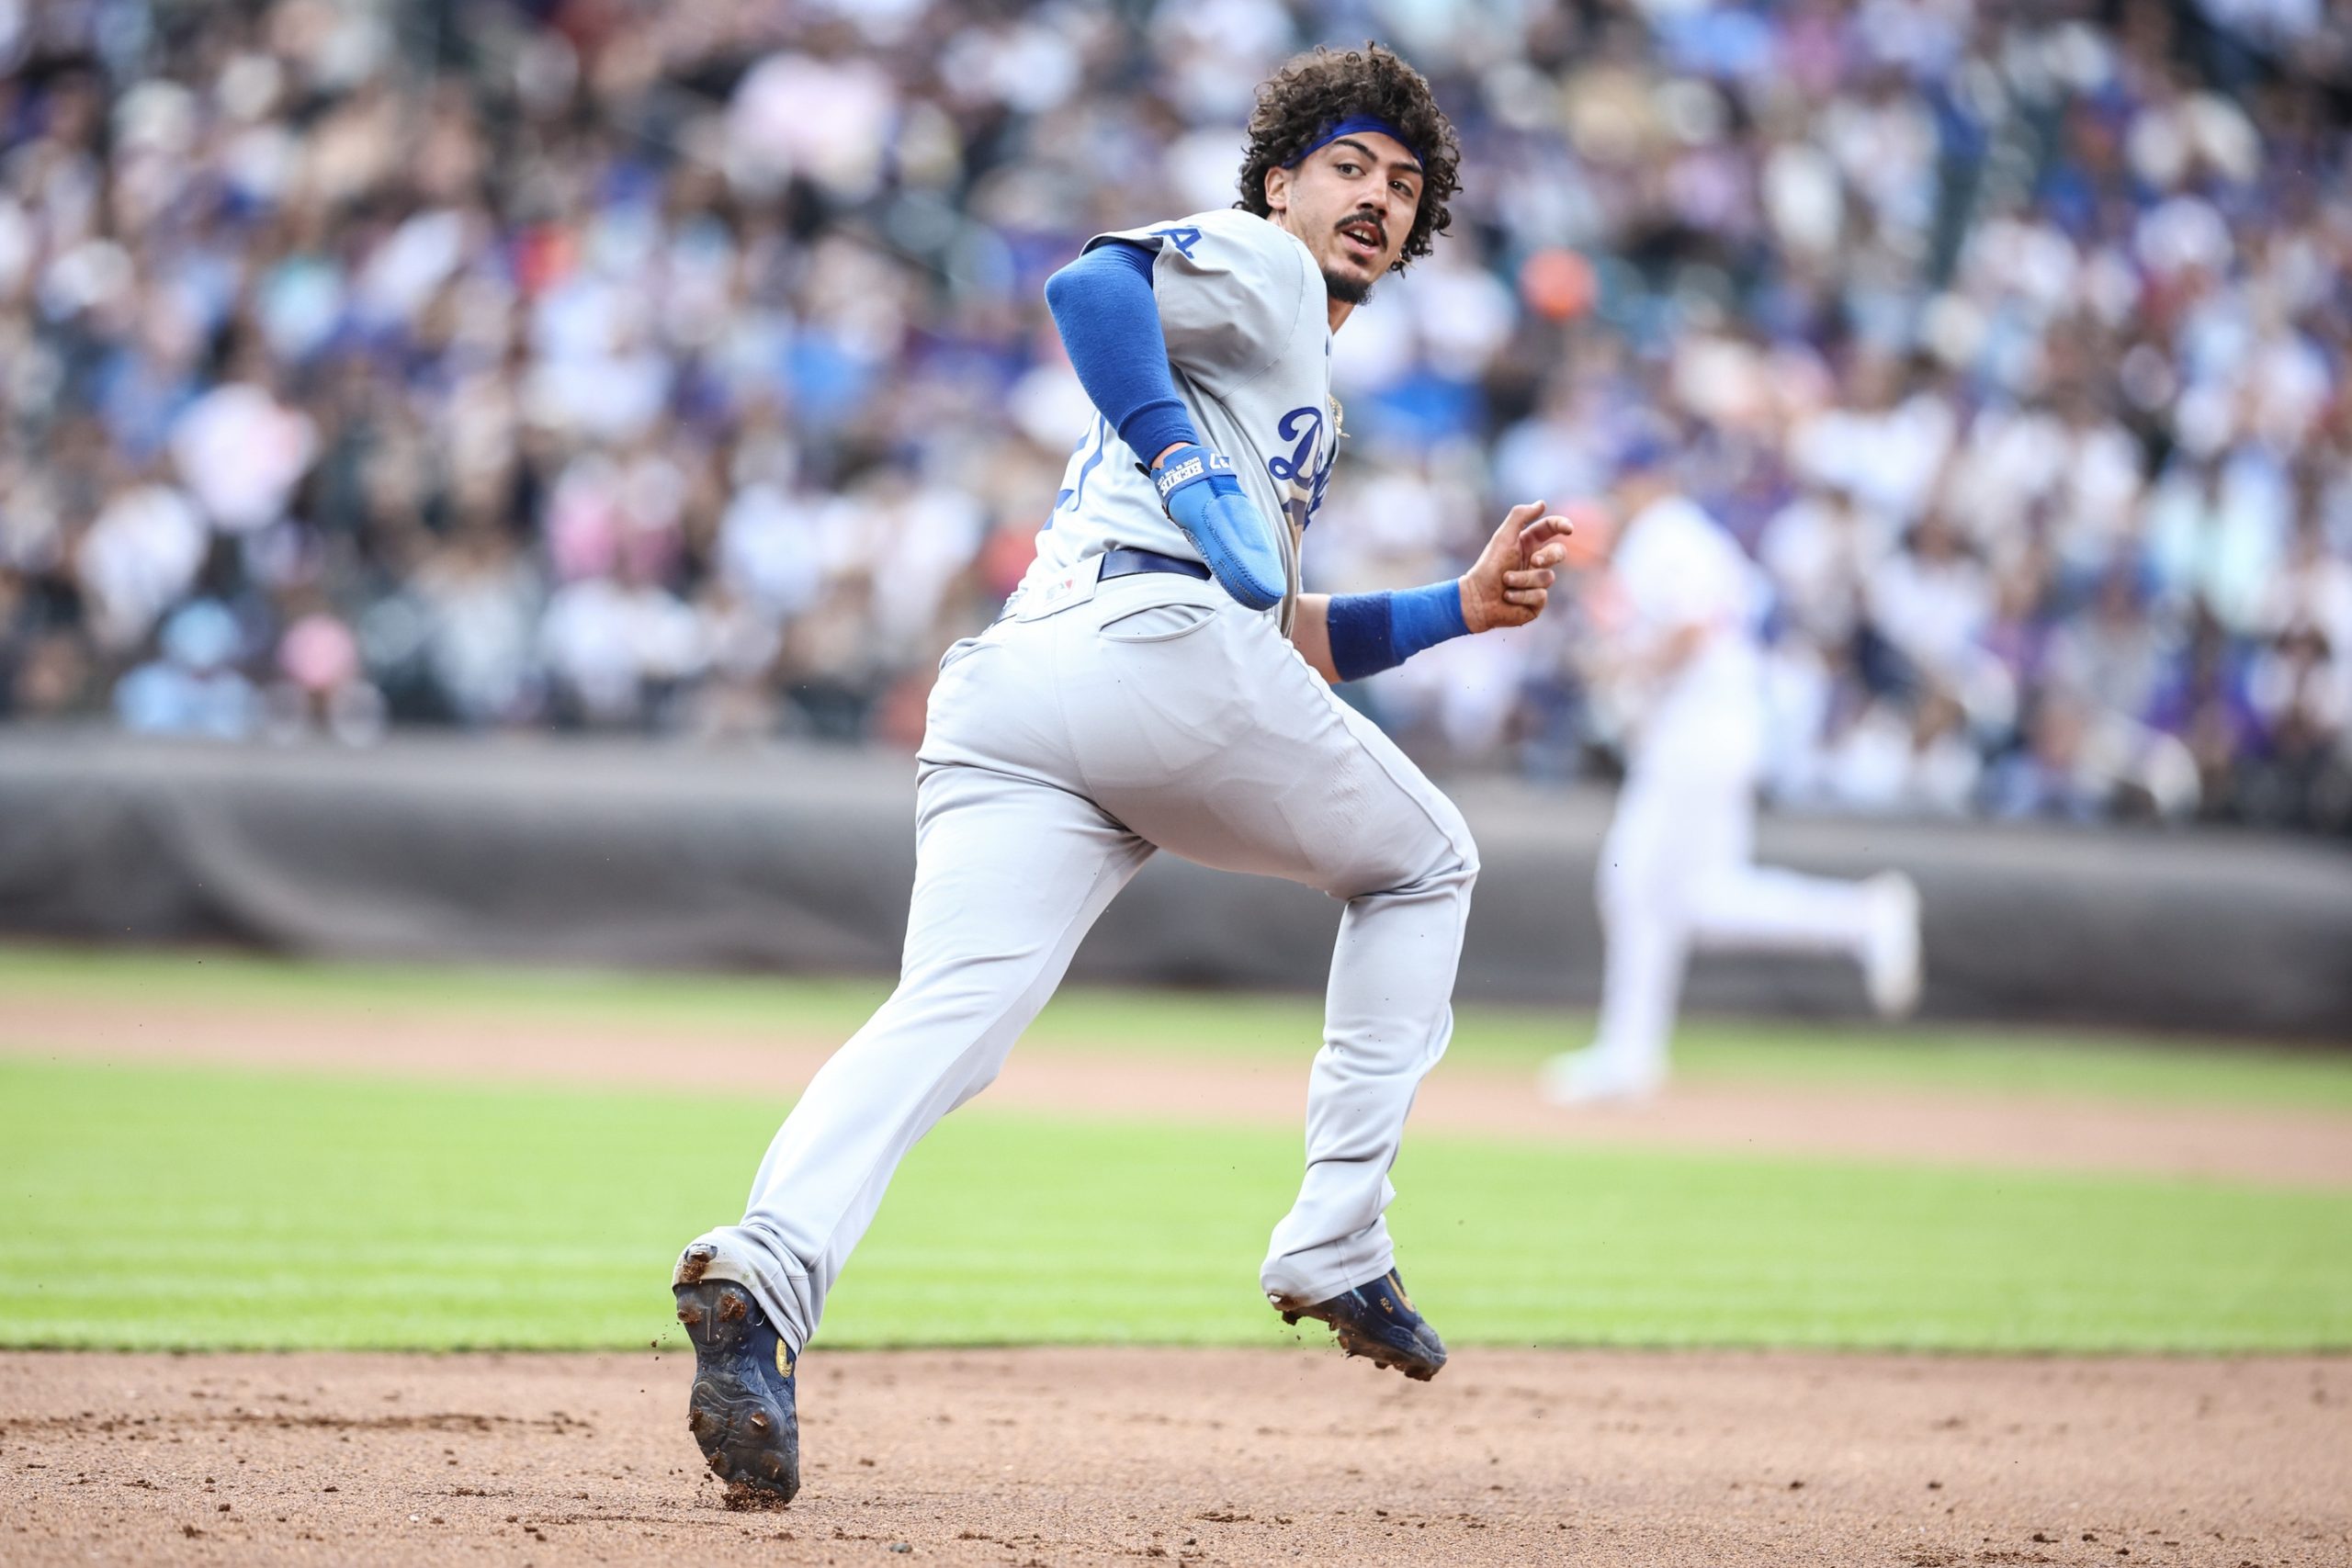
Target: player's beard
(1345, 289)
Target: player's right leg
(1011, 871)
(1009, 874)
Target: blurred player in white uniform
(1678, 610)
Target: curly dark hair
(1323, 87)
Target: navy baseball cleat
(741, 1408)
(1376, 1319)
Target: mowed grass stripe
(195, 1207)
(1182, 1023)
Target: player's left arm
(1348, 636)
(1106, 308)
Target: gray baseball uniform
(1097, 722)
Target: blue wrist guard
(1372, 632)
(1205, 499)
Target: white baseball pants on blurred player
(1677, 873)
(1061, 751)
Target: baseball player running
(1677, 869)
(1159, 682)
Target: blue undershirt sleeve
(1102, 306)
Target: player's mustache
(1373, 219)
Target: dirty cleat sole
(1377, 1320)
(742, 1411)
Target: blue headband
(1348, 127)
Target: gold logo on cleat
(782, 1359)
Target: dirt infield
(2271, 1144)
(1227, 1457)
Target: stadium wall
(594, 852)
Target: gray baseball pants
(1060, 752)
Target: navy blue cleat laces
(742, 1411)
(1377, 1320)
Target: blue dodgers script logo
(1302, 428)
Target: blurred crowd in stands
(682, 366)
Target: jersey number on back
(1183, 239)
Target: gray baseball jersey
(1243, 308)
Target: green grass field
(197, 1207)
(1929, 1056)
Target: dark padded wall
(594, 853)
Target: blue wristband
(1372, 632)
(1205, 502)
(1424, 616)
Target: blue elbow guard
(1205, 499)
(1372, 632)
